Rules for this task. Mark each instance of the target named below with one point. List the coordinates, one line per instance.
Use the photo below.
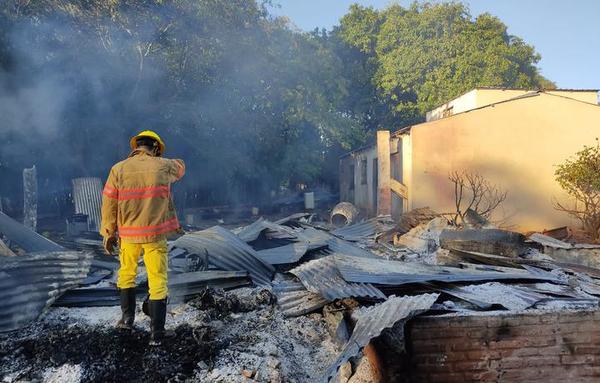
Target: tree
(579, 176)
(250, 103)
(474, 192)
(427, 54)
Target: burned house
(513, 138)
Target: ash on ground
(237, 336)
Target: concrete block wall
(545, 347)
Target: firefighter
(138, 214)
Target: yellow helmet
(150, 134)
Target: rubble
(268, 302)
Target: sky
(566, 33)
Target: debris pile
(292, 300)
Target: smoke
(218, 80)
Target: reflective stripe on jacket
(136, 200)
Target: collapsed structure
(364, 282)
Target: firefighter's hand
(109, 244)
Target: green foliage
(579, 176)
(427, 54)
(250, 103)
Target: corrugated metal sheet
(87, 197)
(180, 286)
(294, 218)
(316, 238)
(545, 240)
(384, 272)
(343, 247)
(27, 239)
(29, 284)
(358, 231)
(227, 252)
(252, 232)
(283, 254)
(373, 320)
(322, 276)
(294, 300)
(487, 294)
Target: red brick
(587, 349)
(481, 376)
(537, 361)
(513, 363)
(589, 371)
(446, 378)
(578, 359)
(466, 346)
(469, 366)
(483, 354)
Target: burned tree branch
(473, 192)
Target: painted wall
(515, 145)
(481, 97)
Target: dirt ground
(217, 337)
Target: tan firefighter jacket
(136, 200)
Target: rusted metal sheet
(29, 284)
(87, 198)
(386, 272)
(293, 299)
(373, 320)
(226, 251)
(322, 276)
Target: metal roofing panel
(180, 285)
(227, 252)
(252, 232)
(387, 272)
(322, 276)
(87, 198)
(29, 284)
(27, 239)
(373, 320)
(357, 231)
(294, 300)
(487, 294)
(283, 254)
(344, 247)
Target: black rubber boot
(158, 314)
(145, 308)
(127, 309)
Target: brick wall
(551, 347)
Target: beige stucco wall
(460, 104)
(514, 144)
(479, 97)
(591, 97)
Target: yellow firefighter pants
(155, 259)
